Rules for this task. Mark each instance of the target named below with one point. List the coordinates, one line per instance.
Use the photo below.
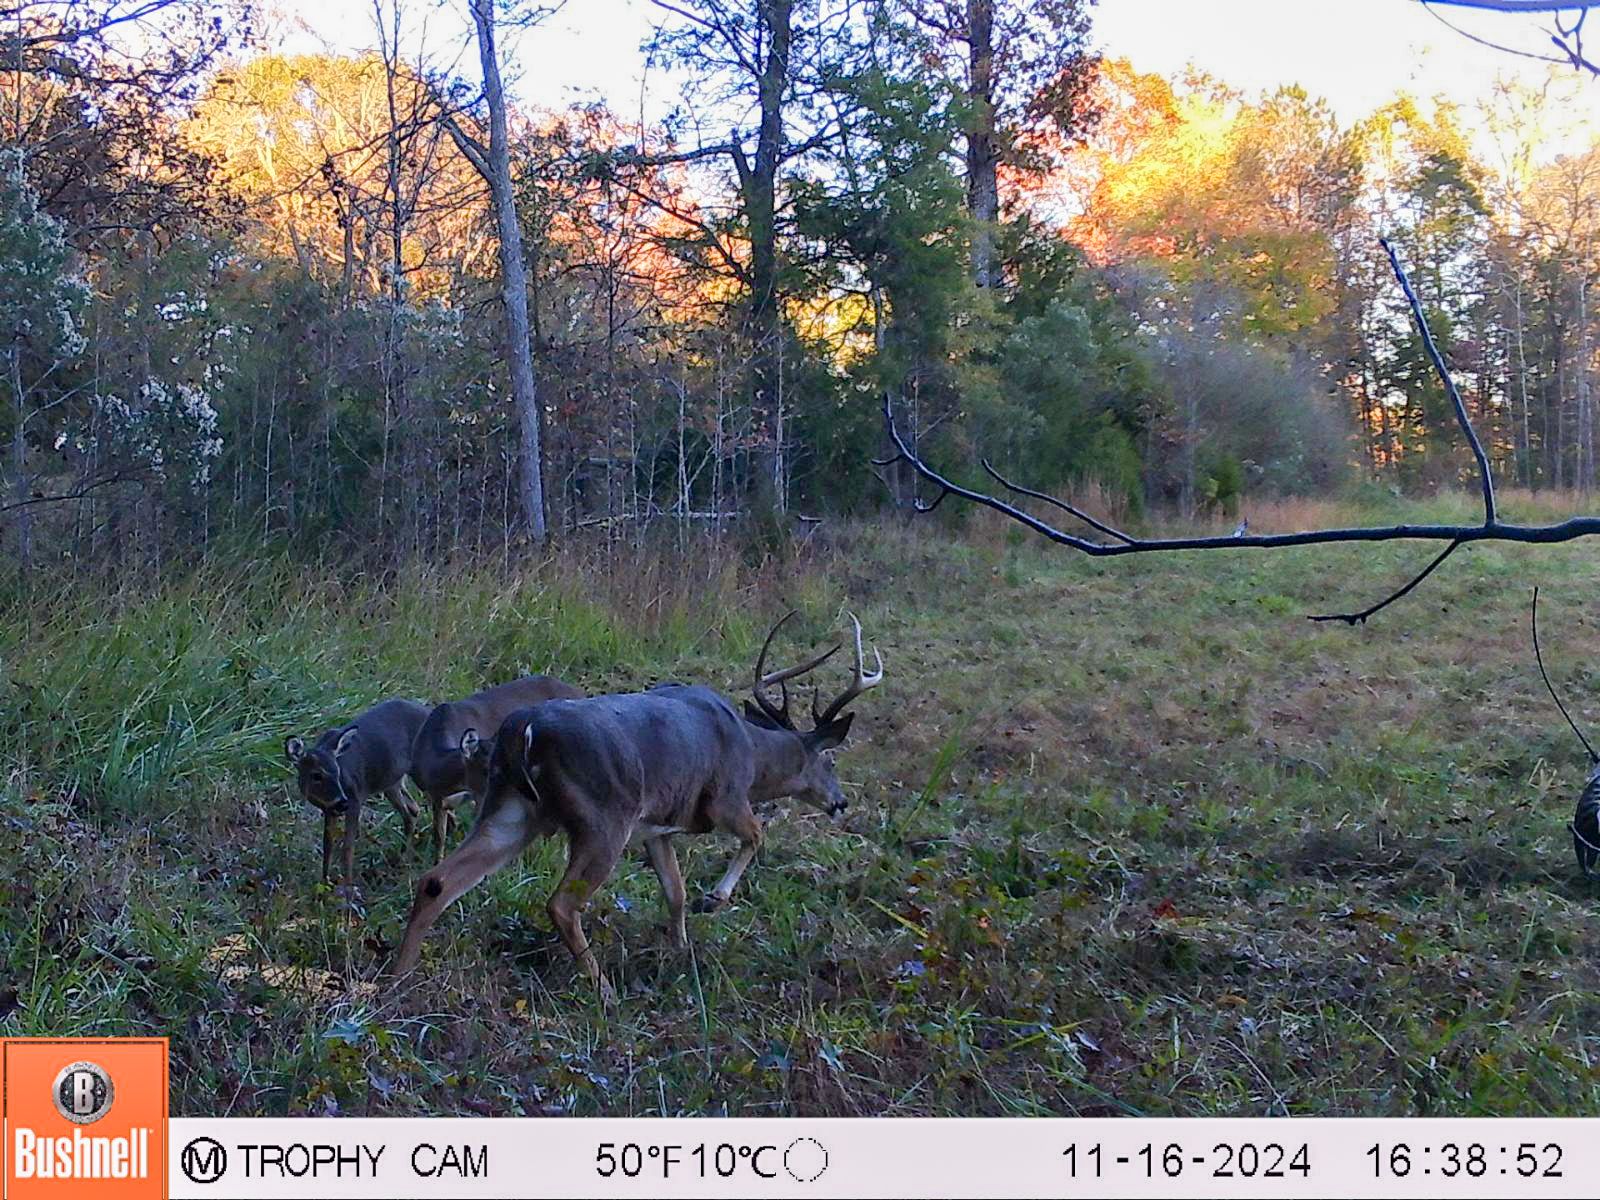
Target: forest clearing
(1122, 838)
(1067, 355)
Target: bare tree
(493, 162)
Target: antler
(861, 683)
(781, 715)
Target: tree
(42, 298)
(1023, 69)
(493, 162)
(768, 54)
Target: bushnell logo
(83, 1092)
(83, 1118)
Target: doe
(352, 762)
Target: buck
(438, 766)
(350, 763)
(640, 767)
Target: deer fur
(634, 768)
(350, 763)
(438, 767)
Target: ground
(1125, 836)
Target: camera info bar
(882, 1157)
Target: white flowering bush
(42, 296)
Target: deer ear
(295, 749)
(527, 741)
(834, 732)
(346, 740)
(469, 744)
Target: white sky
(1356, 53)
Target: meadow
(1124, 837)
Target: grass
(1125, 837)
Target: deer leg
(352, 826)
(747, 829)
(665, 860)
(441, 814)
(405, 806)
(590, 861)
(493, 842)
(330, 823)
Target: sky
(1355, 53)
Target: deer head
(321, 780)
(815, 781)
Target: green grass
(1126, 836)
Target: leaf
(348, 1030)
(829, 1053)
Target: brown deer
(352, 762)
(639, 767)
(438, 766)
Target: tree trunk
(983, 145)
(1522, 386)
(758, 184)
(514, 285)
(1585, 411)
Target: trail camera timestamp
(1221, 1160)
(1473, 1160)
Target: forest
(256, 300)
(332, 377)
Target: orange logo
(83, 1118)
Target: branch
(76, 494)
(1360, 618)
(1521, 6)
(1539, 658)
(471, 148)
(1565, 531)
(1061, 504)
(641, 159)
(1449, 384)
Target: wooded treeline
(247, 298)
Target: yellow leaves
(843, 322)
(304, 141)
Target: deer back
(437, 765)
(376, 752)
(609, 761)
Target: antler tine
(859, 684)
(763, 681)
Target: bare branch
(1449, 384)
(76, 494)
(1521, 6)
(1360, 618)
(1061, 504)
(1539, 658)
(474, 151)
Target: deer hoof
(608, 994)
(709, 903)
